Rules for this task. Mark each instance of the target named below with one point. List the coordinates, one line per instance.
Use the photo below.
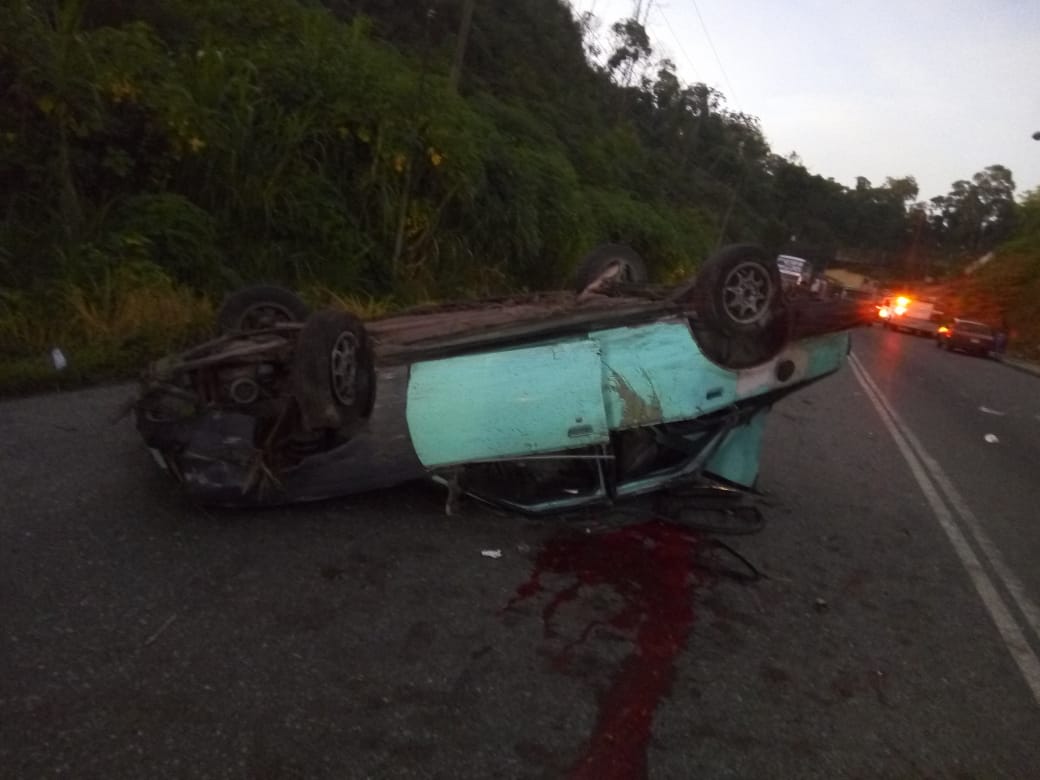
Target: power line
(682, 49)
(592, 38)
(713, 51)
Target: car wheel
(741, 315)
(333, 374)
(737, 290)
(607, 264)
(258, 307)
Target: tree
(977, 214)
(905, 188)
(631, 48)
(996, 193)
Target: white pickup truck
(912, 316)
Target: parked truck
(907, 314)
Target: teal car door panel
(656, 374)
(507, 403)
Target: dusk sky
(937, 90)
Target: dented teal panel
(655, 373)
(809, 358)
(507, 403)
(736, 459)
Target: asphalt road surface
(895, 634)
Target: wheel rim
(264, 315)
(343, 368)
(747, 292)
(624, 272)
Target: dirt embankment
(1004, 293)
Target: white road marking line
(1014, 585)
(1014, 638)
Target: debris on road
(491, 553)
(987, 410)
(58, 359)
(991, 438)
(820, 605)
(163, 627)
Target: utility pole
(641, 12)
(460, 45)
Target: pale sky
(937, 90)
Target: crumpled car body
(538, 404)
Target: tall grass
(107, 327)
(365, 307)
(126, 306)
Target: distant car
(976, 338)
(534, 403)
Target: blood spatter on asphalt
(652, 567)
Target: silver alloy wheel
(343, 368)
(746, 293)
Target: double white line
(958, 521)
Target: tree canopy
(217, 141)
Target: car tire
(737, 290)
(742, 318)
(258, 307)
(607, 264)
(333, 371)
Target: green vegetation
(157, 153)
(1006, 291)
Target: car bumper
(983, 347)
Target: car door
(507, 403)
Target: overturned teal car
(538, 403)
